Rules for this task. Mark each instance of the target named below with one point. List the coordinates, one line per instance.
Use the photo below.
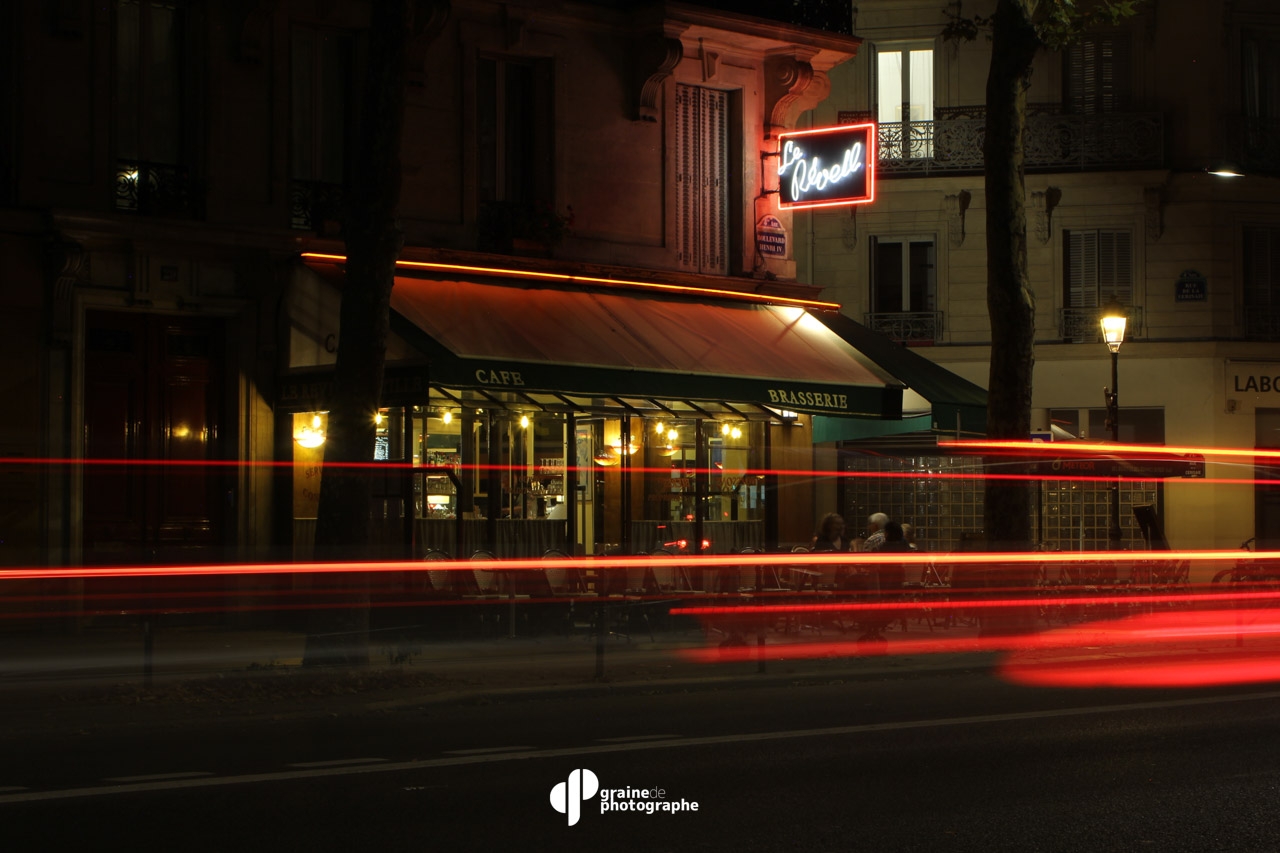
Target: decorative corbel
(710, 62)
(68, 266)
(429, 18)
(956, 206)
(1043, 204)
(1153, 204)
(656, 56)
(791, 86)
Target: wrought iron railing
(314, 203)
(1262, 323)
(1055, 141)
(1080, 325)
(155, 189)
(907, 327)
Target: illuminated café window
(904, 101)
(702, 178)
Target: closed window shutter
(702, 191)
(1082, 269)
(1099, 74)
(686, 189)
(1115, 266)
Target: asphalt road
(951, 761)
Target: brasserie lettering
(499, 377)
(813, 175)
(812, 399)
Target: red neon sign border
(872, 161)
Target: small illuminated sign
(827, 167)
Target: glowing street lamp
(1113, 322)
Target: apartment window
(1098, 270)
(321, 78)
(904, 290)
(152, 175)
(1261, 70)
(1098, 77)
(702, 178)
(514, 160)
(1261, 259)
(904, 102)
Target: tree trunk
(1010, 302)
(339, 625)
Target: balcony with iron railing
(314, 205)
(1257, 144)
(1081, 325)
(156, 189)
(912, 328)
(1055, 141)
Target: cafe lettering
(826, 167)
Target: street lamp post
(1113, 322)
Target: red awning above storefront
(593, 341)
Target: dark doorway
(153, 392)
(1266, 493)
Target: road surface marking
(488, 750)
(159, 777)
(338, 762)
(490, 757)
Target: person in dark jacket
(888, 582)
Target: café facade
(540, 411)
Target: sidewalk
(97, 675)
(226, 671)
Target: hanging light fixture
(447, 417)
(311, 436)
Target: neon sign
(828, 166)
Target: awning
(953, 404)
(601, 342)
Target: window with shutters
(1098, 77)
(904, 291)
(702, 179)
(1260, 90)
(904, 102)
(1261, 259)
(1098, 270)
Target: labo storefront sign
(828, 166)
(1251, 385)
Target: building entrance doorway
(153, 395)
(1266, 500)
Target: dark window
(1098, 77)
(903, 275)
(1260, 85)
(1261, 278)
(152, 101)
(321, 122)
(513, 131)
